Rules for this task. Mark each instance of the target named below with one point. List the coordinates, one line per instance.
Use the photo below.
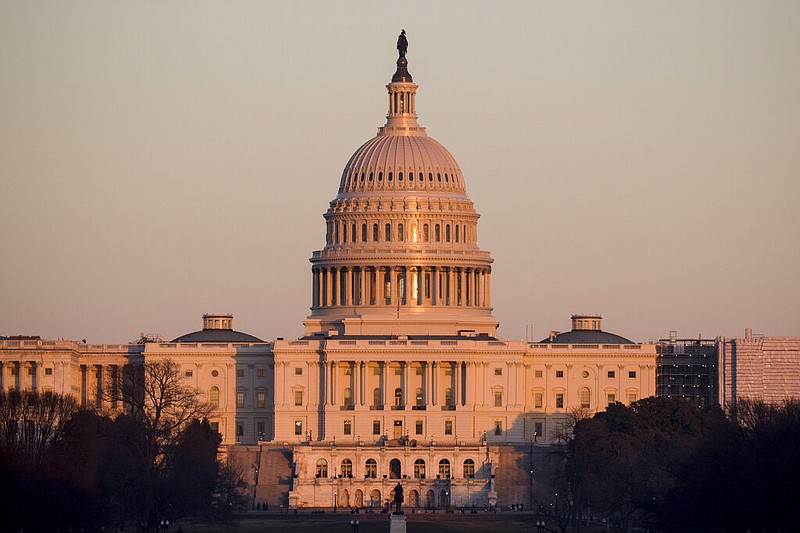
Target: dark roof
(217, 335)
(587, 336)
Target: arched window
(395, 469)
(444, 469)
(348, 396)
(419, 469)
(322, 468)
(371, 469)
(387, 233)
(335, 233)
(398, 396)
(585, 397)
(363, 233)
(447, 233)
(400, 233)
(353, 232)
(375, 233)
(213, 397)
(469, 469)
(344, 231)
(456, 232)
(425, 235)
(347, 468)
(437, 234)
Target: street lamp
(354, 526)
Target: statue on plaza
(398, 499)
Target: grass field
(373, 523)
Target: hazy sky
(160, 160)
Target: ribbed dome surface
(401, 162)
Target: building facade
(687, 368)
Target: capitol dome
(401, 254)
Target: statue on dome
(402, 43)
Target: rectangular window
(559, 400)
(418, 427)
(348, 371)
(215, 427)
(14, 371)
(632, 397)
(261, 428)
(240, 372)
(632, 374)
(261, 372)
(612, 374)
(348, 427)
(239, 398)
(48, 371)
(612, 398)
(538, 400)
(376, 427)
(559, 373)
(188, 373)
(261, 399)
(31, 372)
(537, 429)
(298, 397)
(448, 427)
(498, 371)
(498, 427)
(537, 373)
(298, 371)
(239, 428)
(298, 427)
(498, 398)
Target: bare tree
(30, 422)
(156, 395)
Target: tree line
(664, 465)
(154, 457)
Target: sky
(161, 160)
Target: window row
(341, 233)
(241, 397)
(354, 177)
(585, 374)
(395, 469)
(584, 397)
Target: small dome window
(390, 176)
(380, 176)
(421, 177)
(362, 177)
(430, 176)
(370, 176)
(399, 176)
(438, 176)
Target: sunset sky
(161, 160)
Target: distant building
(759, 367)
(687, 368)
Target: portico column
(333, 383)
(457, 379)
(384, 382)
(434, 284)
(433, 383)
(406, 382)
